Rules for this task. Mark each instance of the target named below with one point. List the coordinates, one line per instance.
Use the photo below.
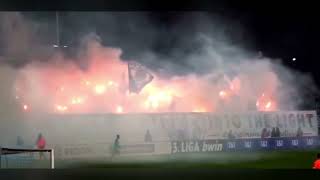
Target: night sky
(279, 32)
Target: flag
(138, 77)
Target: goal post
(15, 151)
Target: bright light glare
(77, 100)
(100, 89)
(87, 83)
(222, 94)
(157, 99)
(119, 109)
(268, 105)
(199, 110)
(61, 108)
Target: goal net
(26, 158)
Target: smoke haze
(200, 64)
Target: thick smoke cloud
(200, 64)
(22, 40)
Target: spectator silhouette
(273, 132)
(278, 133)
(264, 133)
(230, 135)
(116, 146)
(41, 144)
(299, 132)
(148, 137)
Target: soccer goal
(26, 158)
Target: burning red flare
(100, 89)
(25, 107)
(266, 103)
(103, 87)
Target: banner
(238, 125)
(137, 148)
(238, 145)
(196, 146)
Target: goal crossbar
(9, 151)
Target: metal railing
(12, 151)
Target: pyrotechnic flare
(105, 87)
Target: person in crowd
(278, 133)
(264, 133)
(299, 132)
(231, 135)
(116, 146)
(273, 132)
(148, 137)
(316, 164)
(41, 144)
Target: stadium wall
(91, 135)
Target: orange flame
(119, 109)
(25, 107)
(61, 108)
(265, 103)
(103, 87)
(223, 94)
(100, 89)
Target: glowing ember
(152, 101)
(110, 83)
(104, 86)
(222, 94)
(100, 89)
(199, 110)
(61, 108)
(87, 83)
(77, 100)
(265, 103)
(158, 99)
(268, 105)
(119, 109)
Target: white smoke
(197, 68)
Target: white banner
(244, 125)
